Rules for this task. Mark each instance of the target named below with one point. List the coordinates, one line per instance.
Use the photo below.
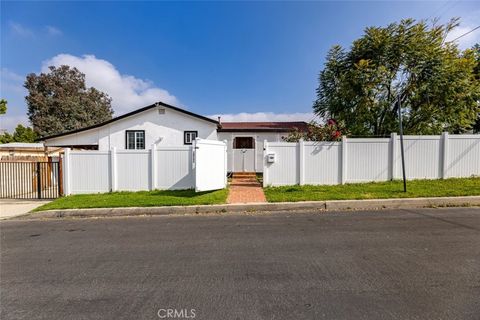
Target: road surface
(392, 264)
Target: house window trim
(126, 139)
(185, 136)
(253, 141)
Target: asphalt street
(392, 264)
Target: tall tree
(476, 52)
(436, 80)
(21, 134)
(59, 101)
(3, 106)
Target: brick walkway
(245, 188)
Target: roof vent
(161, 111)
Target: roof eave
(256, 130)
(157, 104)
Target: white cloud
(26, 32)
(20, 30)
(466, 41)
(52, 31)
(11, 85)
(127, 92)
(467, 23)
(8, 74)
(265, 116)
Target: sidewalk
(16, 207)
(245, 188)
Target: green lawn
(137, 199)
(376, 190)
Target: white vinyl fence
(373, 159)
(134, 170)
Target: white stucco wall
(165, 130)
(89, 137)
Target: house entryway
(245, 188)
(244, 154)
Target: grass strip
(376, 190)
(137, 199)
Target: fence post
(232, 153)
(344, 159)
(393, 164)
(66, 172)
(39, 180)
(265, 169)
(194, 162)
(301, 161)
(194, 154)
(445, 157)
(225, 163)
(113, 169)
(60, 176)
(153, 167)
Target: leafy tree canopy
(58, 101)
(21, 134)
(3, 106)
(439, 91)
(476, 52)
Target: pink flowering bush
(330, 131)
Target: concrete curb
(178, 210)
(405, 203)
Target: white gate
(210, 158)
(243, 160)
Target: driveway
(396, 264)
(16, 207)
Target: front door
(244, 154)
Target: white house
(167, 126)
(245, 141)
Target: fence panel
(368, 160)
(174, 168)
(372, 159)
(423, 156)
(89, 172)
(133, 170)
(285, 170)
(322, 162)
(463, 156)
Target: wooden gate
(30, 180)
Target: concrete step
(244, 183)
(244, 175)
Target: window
(135, 139)
(243, 143)
(189, 136)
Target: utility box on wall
(271, 157)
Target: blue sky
(247, 61)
